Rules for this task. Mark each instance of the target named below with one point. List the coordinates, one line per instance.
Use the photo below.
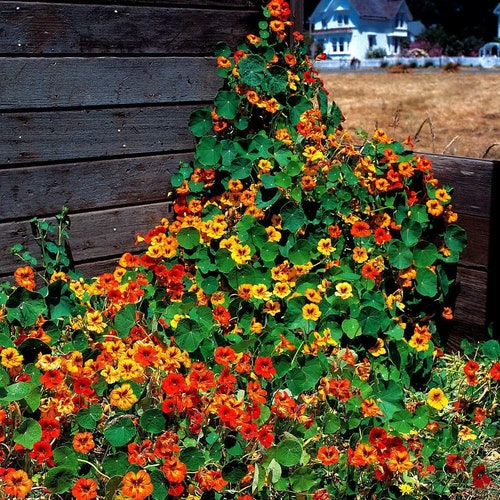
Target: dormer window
(342, 19)
(400, 21)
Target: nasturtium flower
(325, 247)
(123, 397)
(436, 398)
(328, 455)
(16, 483)
(25, 277)
(479, 477)
(343, 290)
(311, 311)
(264, 367)
(83, 442)
(84, 489)
(137, 485)
(378, 349)
(11, 357)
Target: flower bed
(280, 338)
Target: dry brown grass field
(453, 113)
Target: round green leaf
(200, 122)
(66, 456)
(189, 335)
(125, 320)
(88, 417)
(410, 232)
(153, 421)
(303, 479)
(425, 254)
(208, 151)
(251, 70)
(223, 260)
(188, 237)
(455, 238)
(120, 432)
(115, 464)
(351, 327)
(25, 306)
(28, 433)
(300, 253)
(193, 457)
(59, 479)
(227, 104)
(426, 282)
(288, 452)
(399, 254)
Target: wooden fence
(94, 106)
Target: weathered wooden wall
(476, 191)
(94, 106)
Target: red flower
(51, 379)
(360, 229)
(42, 453)
(50, 428)
(222, 315)
(264, 367)
(480, 479)
(471, 368)
(455, 463)
(174, 383)
(334, 231)
(81, 385)
(382, 236)
(495, 371)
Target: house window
(400, 21)
(346, 19)
(334, 45)
(342, 19)
(341, 45)
(372, 41)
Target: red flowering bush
(279, 338)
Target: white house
(354, 28)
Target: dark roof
(382, 10)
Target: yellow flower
(311, 311)
(405, 488)
(378, 349)
(344, 290)
(325, 246)
(241, 254)
(436, 398)
(95, 322)
(359, 255)
(11, 358)
(123, 397)
(466, 434)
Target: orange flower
(224, 355)
(328, 455)
(364, 454)
(84, 489)
(17, 483)
(137, 485)
(83, 442)
(25, 277)
(399, 460)
(370, 409)
(174, 470)
(495, 371)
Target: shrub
(279, 338)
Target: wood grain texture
(34, 83)
(56, 28)
(28, 192)
(97, 235)
(34, 137)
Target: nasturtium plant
(281, 336)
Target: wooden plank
(235, 4)
(96, 235)
(478, 250)
(41, 191)
(471, 180)
(105, 81)
(52, 28)
(472, 299)
(69, 135)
